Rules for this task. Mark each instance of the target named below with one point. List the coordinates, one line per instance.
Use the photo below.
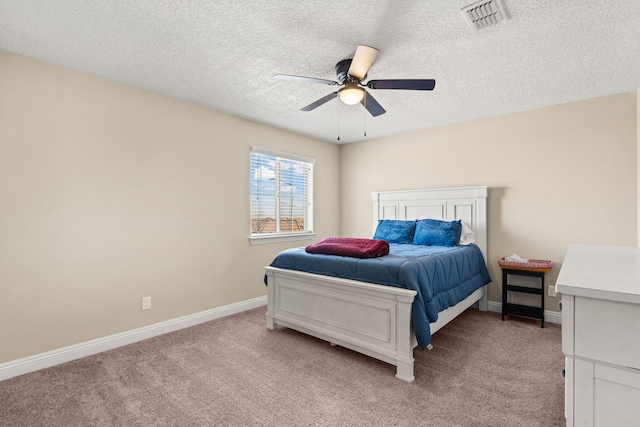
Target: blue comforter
(441, 276)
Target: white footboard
(371, 319)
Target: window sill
(259, 240)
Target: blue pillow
(395, 230)
(433, 232)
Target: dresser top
(601, 272)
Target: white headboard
(468, 204)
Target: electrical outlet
(146, 303)
(551, 290)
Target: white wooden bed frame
(374, 319)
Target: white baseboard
(549, 316)
(66, 354)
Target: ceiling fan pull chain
(338, 123)
(364, 114)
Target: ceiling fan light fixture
(351, 95)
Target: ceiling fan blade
(319, 102)
(304, 79)
(406, 84)
(372, 105)
(362, 60)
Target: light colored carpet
(235, 372)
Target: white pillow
(467, 236)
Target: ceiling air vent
(484, 13)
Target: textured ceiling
(223, 55)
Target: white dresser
(600, 288)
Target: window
(281, 196)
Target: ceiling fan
(350, 73)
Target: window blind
(281, 193)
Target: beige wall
(109, 194)
(558, 175)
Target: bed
(376, 319)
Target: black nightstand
(519, 309)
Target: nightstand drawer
(607, 331)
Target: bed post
(482, 238)
(271, 301)
(483, 303)
(404, 361)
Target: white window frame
(279, 236)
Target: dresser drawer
(607, 331)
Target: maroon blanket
(350, 246)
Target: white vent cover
(484, 13)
